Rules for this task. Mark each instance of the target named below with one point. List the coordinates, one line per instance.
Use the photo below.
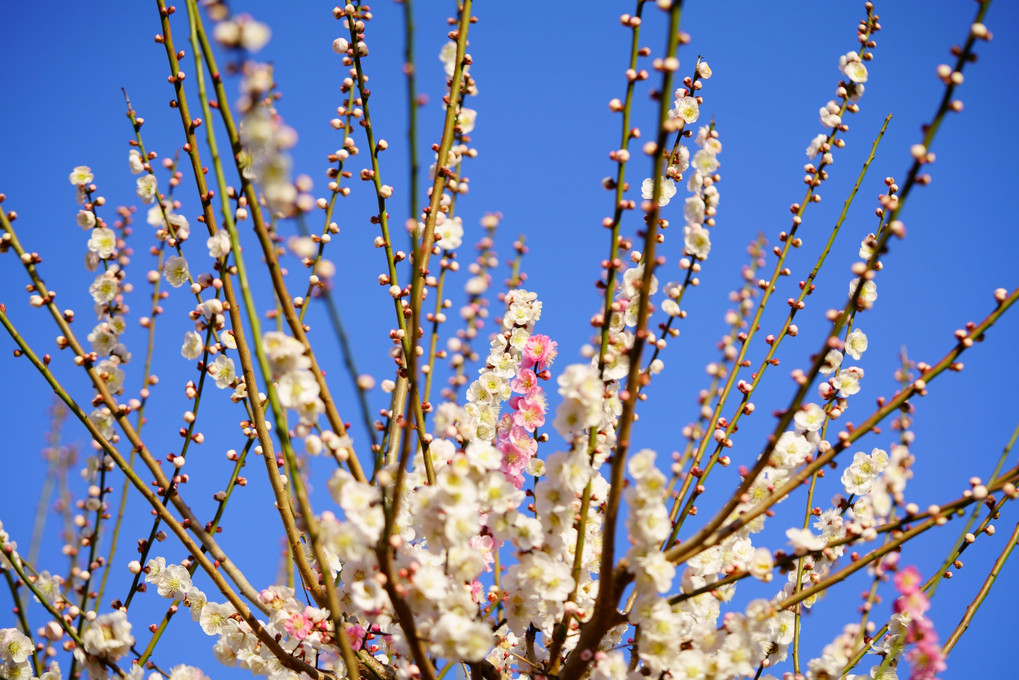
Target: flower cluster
(648, 525)
(506, 356)
(924, 655)
(700, 208)
(291, 369)
(106, 289)
(301, 630)
(15, 648)
(265, 139)
(467, 541)
(107, 639)
(859, 477)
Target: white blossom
(146, 188)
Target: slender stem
(985, 589)
(960, 542)
(409, 69)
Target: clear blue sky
(545, 74)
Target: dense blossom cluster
(482, 537)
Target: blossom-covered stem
(475, 302)
(160, 199)
(57, 616)
(665, 329)
(93, 547)
(608, 594)
(143, 558)
(768, 287)
(243, 353)
(971, 608)
(813, 180)
(120, 414)
(905, 378)
(562, 627)
(447, 262)
(177, 527)
(899, 533)
(282, 502)
(408, 340)
(19, 611)
(633, 383)
(423, 252)
(960, 543)
(336, 191)
(932, 520)
(614, 262)
(139, 423)
(264, 239)
(806, 288)
(715, 532)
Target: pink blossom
(298, 626)
(513, 457)
(517, 449)
(926, 660)
(529, 415)
(925, 656)
(524, 381)
(522, 439)
(356, 634)
(907, 581)
(537, 396)
(484, 546)
(540, 352)
(915, 604)
(514, 477)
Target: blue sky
(544, 131)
